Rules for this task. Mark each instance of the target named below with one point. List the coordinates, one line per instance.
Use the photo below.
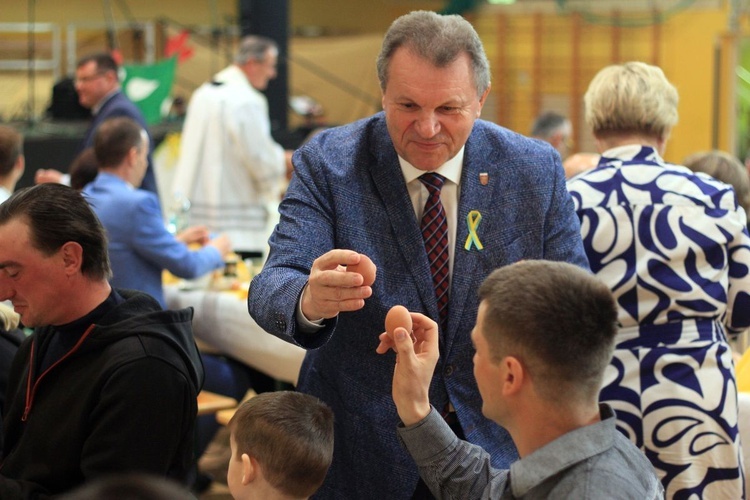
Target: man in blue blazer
(140, 247)
(356, 191)
(98, 87)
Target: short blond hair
(631, 98)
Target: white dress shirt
(418, 193)
(4, 194)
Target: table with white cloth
(221, 322)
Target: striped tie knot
(432, 181)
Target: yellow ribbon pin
(473, 220)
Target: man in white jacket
(230, 168)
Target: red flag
(177, 44)
(117, 56)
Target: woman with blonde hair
(674, 249)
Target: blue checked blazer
(348, 192)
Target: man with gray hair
(553, 128)
(486, 197)
(230, 168)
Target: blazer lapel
(389, 182)
(475, 197)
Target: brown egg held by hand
(366, 268)
(397, 316)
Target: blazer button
(281, 324)
(448, 371)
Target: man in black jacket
(107, 383)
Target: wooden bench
(210, 402)
(224, 416)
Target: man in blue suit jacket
(98, 87)
(140, 247)
(356, 191)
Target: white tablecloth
(744, 426)
(221, 320)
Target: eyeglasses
(89, 78)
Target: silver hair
(254, 48)
(439, 39)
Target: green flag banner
(149, 86)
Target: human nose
(427, 124)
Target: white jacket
(230, 168)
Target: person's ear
(111, 77)
(482, 99)
(133, 156)
(249, 469)
(20, 166)
(513, 375)
(72, 255)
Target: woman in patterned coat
(674, 248)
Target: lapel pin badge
(484, 178)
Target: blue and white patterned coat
(674, 248)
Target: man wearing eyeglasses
(98, 87)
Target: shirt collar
(232, 74)
(565, 451)
(451, 169)
(630, 152)
(105, 176)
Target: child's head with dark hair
(281, 439)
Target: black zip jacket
(122, 399)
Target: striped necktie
(435, 234)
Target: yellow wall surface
(91, 19)
(541, 59)
(73, 11)
(688, 61)
(544, 61)
(342, 20)
(348, 17)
